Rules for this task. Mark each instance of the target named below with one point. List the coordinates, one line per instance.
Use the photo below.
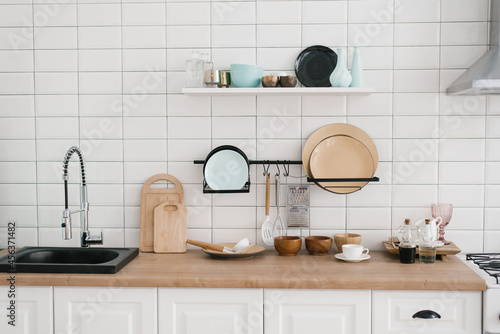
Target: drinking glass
(444, 211)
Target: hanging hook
(266, 170)
(287, 171)
(278, 168)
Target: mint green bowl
(246, 78)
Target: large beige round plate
(341, 157)
(336, 129)
(252, 251)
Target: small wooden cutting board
(170, 228)
(150, 199)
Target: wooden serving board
(450, 249)
(170, 228)
(150, 199)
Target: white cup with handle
(353, 251)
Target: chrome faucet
(86, 238)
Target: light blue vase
(358, 79)
(340, 76)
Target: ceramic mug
(353, 251)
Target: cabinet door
(491, 309)
(459, 312)
(33, 310)
(210, 311)
(317, 311)
(104, 310)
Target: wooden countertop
(196, 269)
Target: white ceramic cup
(353, 251)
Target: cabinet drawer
(394, 311)
(210, 311)
(317, 311)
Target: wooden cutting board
(150, 199)
(170, 228)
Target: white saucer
(342, 257)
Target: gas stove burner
(483, 256)
(489, 262)
(490, 266)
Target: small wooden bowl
(318, 245)
(288, 81)
(270, 81)
(287, 246)
(346, 238)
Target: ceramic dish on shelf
(226, 168)
(314, 65)
(342, 257)
(336, 129)
(252, 251)
(341, 157)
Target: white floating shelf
(279, 91)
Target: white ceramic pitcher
(428, 233)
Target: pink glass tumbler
(444, 211)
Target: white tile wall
(107, 75)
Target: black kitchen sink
(69, 260)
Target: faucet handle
(66, 225)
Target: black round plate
(314, 66)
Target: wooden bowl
(346, 238)
(288, 81)
(287, 246)
(270, 81)
(318, 245)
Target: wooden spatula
(206, 245)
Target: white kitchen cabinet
(317, 311)
(33, 307)
(393, 312)
(210, 311)
(104, 310)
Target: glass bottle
(208, 73)
(194, 71)
(207, 64)
(427, 246)
(407, 247)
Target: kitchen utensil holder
(286, 166)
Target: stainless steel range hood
(484, 76)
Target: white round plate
(226, 170)
(342, 257)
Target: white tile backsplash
(99, 37)
(418, 11)
(56, 60)
(107, 76)
(464, 33)
(143, 14)
(17, 105)
(96, 14)
(278, 35)
(278, 12)
(50, 38)
(464, 10)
